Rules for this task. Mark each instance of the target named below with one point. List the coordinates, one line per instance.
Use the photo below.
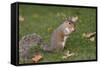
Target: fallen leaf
(37, 58)
(68, 54)
(64, 57)
(88, 35)
(92, 39)
(21, 18)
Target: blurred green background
(42, 20)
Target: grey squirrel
(57, 42)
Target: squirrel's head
(69, 24)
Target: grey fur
(26, 43)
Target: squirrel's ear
(74, 18)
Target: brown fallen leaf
(88, 35)
(37, 58)
(92, 39)
(68, 54)
(21, 18)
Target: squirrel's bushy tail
(26, 42)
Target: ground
(42, 20)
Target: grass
(38, 19)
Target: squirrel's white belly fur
(63, 43)
(66, 31)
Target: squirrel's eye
(69, 23)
